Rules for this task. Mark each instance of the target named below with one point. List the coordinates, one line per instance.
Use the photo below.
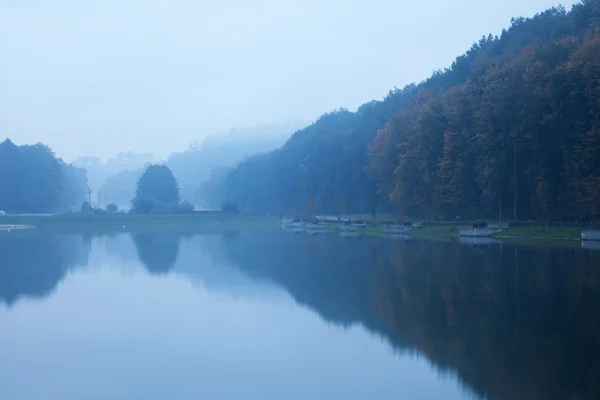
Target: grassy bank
(512, 233)
(135, 223)
(207, 223)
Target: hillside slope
(447, 147)
(193, 167)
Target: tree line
(157, 192)
(509, 131)
(519, 139)
(34, 180)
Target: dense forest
(33, 180)
(510, 130)
(322, 165)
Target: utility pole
(98, 199)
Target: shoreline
(210, 222)
(156, 223)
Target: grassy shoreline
(508, 233)
(184, 223)
(541, 232)
(199, 223)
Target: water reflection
(512, 322)
(515, 322)
(32, 265)
(158, 252)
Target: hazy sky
(98, 77)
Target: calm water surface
(273, 315)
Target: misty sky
(96, 78)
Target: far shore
(220, 222)
(114, 223)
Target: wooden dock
(590, 235)
(8, 228)
(479, 232)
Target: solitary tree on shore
(157, 190)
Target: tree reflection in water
(158, 252)
(515, 322)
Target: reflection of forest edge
(33, 265)
(515, 322)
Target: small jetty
(590, 236)
(328, 219)
(477, 240)
(394, 229)
(293, 223)
(286, 221)
(352, 234)
(480, 229)
(352, 226)
(8, 228)
(317, 225)
(590, 244)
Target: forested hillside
(193, 167)
(519, 139)
(321, 166)
(226, 149)
(33, 180)
(510, 130)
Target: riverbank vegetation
(509, 131)
(33, 180)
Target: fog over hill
(116, 178)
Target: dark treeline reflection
(513, 322)
(158, 252)
(33, 265)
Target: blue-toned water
(273, 315)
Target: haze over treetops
(509, 131)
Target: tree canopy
(157, 190)
(33, 180)
(518, 139)
(509, 130)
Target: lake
(277, 315)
